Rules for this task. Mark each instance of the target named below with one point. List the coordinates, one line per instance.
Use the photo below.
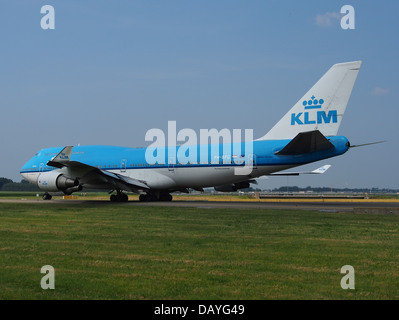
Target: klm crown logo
(313, 104)
(311, 117)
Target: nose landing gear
(47, 196)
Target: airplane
(306, 133)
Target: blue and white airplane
(307, 133)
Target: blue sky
(111, 70)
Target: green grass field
(119, 251)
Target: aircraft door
(171, 164)
(123, 165)
(252, 160)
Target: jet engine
(54, 181)
(232, 187)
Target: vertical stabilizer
(322, 107)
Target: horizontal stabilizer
(306, 142)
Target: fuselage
(305, 134)
(172, 174)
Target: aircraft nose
(24, 175)
(28, 173)
(30, 176)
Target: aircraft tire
(124, 197)
(47, 196)
(166, 197)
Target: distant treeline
(9, 185)
(336, 190)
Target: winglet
(322, 169)
(60, 159)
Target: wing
(103, 177)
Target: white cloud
(327, 19)
(380, 91)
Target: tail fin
(322, 107)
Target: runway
(327, 206)
(323, 205)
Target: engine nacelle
(232, 187)
(53, 181)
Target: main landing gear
(119, 197)
(149, 197)
(154, 197)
